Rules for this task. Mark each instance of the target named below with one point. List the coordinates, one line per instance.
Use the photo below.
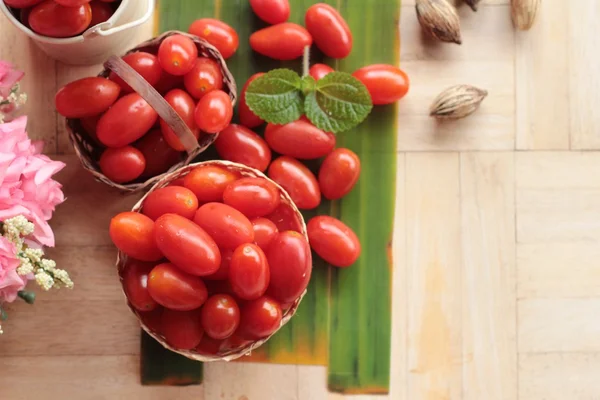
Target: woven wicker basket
(285, 200)
(89, 151)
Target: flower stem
(29, 297)
(306, 61)
(3, 315)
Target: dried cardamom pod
(473, 4)
(523, 13)
(440, 19)
(457, 102)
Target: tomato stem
(306, 61)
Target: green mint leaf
(276, 97)
(309, 84)
(339, 103)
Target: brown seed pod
(473, 4)
(523, 13)
(457, 102)
(440, 19)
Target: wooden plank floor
(496, 283)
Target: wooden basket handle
(160, 105)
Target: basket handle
(160, 105)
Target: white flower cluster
(12, 102)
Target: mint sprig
(336, 103)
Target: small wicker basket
(89, 151)
(286, 200)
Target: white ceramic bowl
(98, 43)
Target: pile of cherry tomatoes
(215, 255)
(63, 18)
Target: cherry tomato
(329, 30)
(184, 105)
(223, 271)
(186, 245)
(234, 342)
(209, 182)
(286, 219)
(249, 272)
(290, 262)
(333, 241)
(72, 3)
(318, 71)
(135, 285)
(265, 231)
(21, 3)
(239, 144)
(271, 11)
(300, 139)
(101, 12)
(133, 234)
(86, 97)
(260, 318)
(297, 180)
(122, 164)
(158, 154)
(284, 41)
(339, 173)
(168, 82)
(152, 319)
(209, 346)
(126, 121)
(182, 329)
(220, 316)
(89, 125)
(177, 54)
(178, 182)
(247, 117)
(51, 19)
(214, 111)
(217, 33)
(175, 289)
(171, 199)
(143, 63)
(226, 225)
(204, 77)
(386, 83)
(253, 197)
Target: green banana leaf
(344, 322)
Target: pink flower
(9, 77)
(10, 281)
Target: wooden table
(496, 282)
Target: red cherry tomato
(101, 12)
(247, 117)
(133, 234)
(333, 241)
(177, 54)
(152, 319)
(182, 329)
(260, 318)
(300, 139)
(168, 82)
(86, 97)
(282, 42)
(217, 33)
(203, 78)
(329, 30)
(271, 11)
(126, 121)
(265, 231)
(122, 164)
(386, 83)
(209, 346)
(249, 272)
(158, 154)
(297, 180)
(54, 20)
(72, 3)
(286, 219)
(226, 225)
(220, 316)
(339, 173)
(21, 3)
(223, 271)
(234, 342)
(171, 200)
(143, 63)
(89, 125)
(239, 144)
(175, 289)
(214, 112)
(186, 245)
(253, 197)
(178, 182)
(290, 262)
(184, 105)
(318, 71)
(135, 285)
(209, 182)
